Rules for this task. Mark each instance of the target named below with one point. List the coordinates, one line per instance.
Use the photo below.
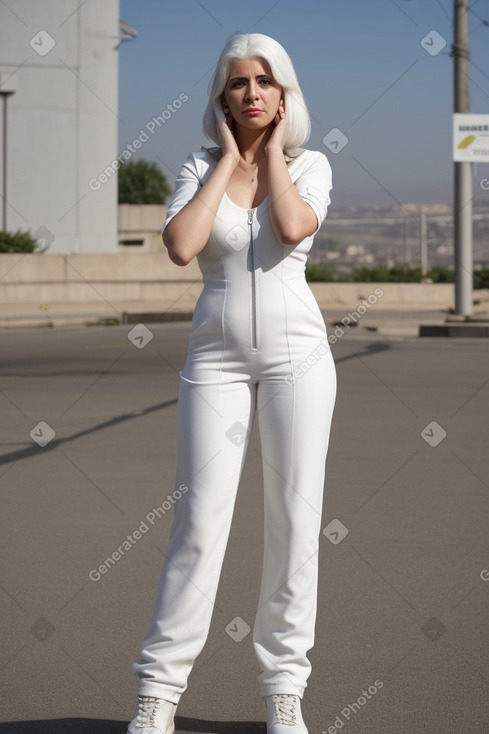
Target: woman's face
(251, 86)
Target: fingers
(219, 111)
(223, 116)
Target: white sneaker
(284, 714)
(153, 716)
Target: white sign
(471, 138)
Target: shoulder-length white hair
(257, 45)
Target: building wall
(62, 121)
(140, 227)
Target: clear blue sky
(361, 67)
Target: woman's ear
(224, 104)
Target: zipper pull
(250, 216)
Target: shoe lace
(147, 708)
(285, 709)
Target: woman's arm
(297, 210)
(292, 218)
(188, 231)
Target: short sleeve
(314, 184)
(186, 186)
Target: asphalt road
(88, 452)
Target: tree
(142, 182)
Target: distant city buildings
(352, 237)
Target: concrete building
(59, 62)
(140, 227)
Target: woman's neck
(251, 143)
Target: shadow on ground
(104, 726)
(32, 449)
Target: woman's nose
(252, 92)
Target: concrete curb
(461, 331)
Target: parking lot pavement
(88, 460)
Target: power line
(481, 20)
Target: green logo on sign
(466, 141)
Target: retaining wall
(144, 277)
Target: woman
(248, 210)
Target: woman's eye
(266, 82)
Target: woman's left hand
(277, 137)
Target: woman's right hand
(227, 141)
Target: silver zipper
(254, 346)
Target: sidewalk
(401, 322)
(29, 315)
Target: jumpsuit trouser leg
(212, 436)
(294, 422)
(214, 423)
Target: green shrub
(17, 242)
(377, 274)
(441, 275)
(481, 278)
(397, 274)
(320, 272)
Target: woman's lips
(253, 113)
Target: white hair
(257, 45)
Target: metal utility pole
(463, 171)
(423, 242)
(4, 95)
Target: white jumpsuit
(258, 345)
